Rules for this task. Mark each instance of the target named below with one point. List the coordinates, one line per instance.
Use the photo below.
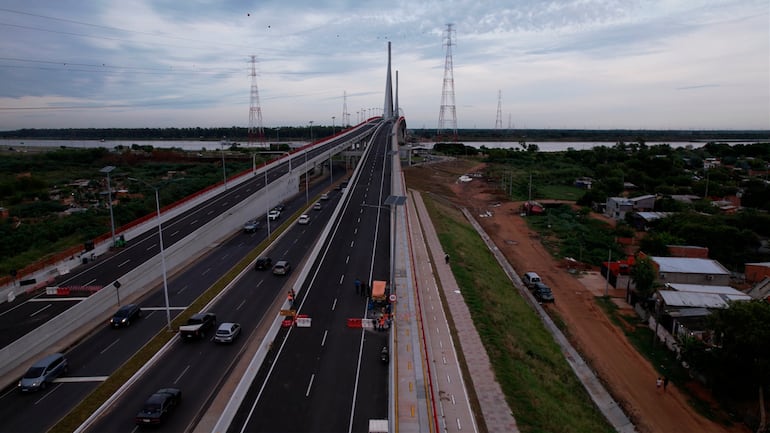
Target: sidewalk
(497, 416)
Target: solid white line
(108, 347)
(310, 385)
(81, 379)
(47, 394)
(121, 265)
(182, 374)
(323, 341)
(40, 310)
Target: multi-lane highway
(199, 367)
(103, 351)
(330, 377)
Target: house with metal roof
(689, 270)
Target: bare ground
(627, 374)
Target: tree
(743, 333)
(643, 275)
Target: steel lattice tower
(256, 132)
(448, 89)
(499, 119)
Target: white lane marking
(47, 394)
(182, 374)
(194, 223)
(342, 278)
(174, 233)
(224, 256)
(126, 262)
(240, 305)
(351, 243)
(310, 385)
(260, 282)
(40, 310)
(355, 232)
(334, 305)
(182, 289)
(81, 379)
(323, 341)
(206, 271)
(108, 347)
(448, 379)
(90, 283)
(151, 247)
(209, 212)
(347, 259)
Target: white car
(303, 219)
(325, 196)
(273, 215)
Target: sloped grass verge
(541, 389)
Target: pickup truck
(197, 326)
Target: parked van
(43, 372)
(530, 279)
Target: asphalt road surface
(329, 378)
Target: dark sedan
(159, 406)
(125, 315)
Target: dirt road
(628, 375)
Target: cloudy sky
(639, 64)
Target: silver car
(43, 372)
(227, 332)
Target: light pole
(267, 204)
(311, 131)
(107, 170)
(162, 251)
(224, 171)
(333, 117)
(307, 174)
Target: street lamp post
(162, 251)
(333, 117)
(224, 170)
(311, 131)
(107, 170)
(307, 174)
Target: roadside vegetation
(539, 385)
(56, 199)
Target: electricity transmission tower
(447, 118)
(255, 110)
(499, 119)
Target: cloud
(571, 63)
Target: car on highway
(125, 315)
(251, 226)
(281, 267)
(227, 332)
(263, 263)
(43, 372)
(317, 206)
(303, 219)
(273, 214)
(280, 207)
(158, 406)
(325, 196)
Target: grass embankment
(541, 389)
